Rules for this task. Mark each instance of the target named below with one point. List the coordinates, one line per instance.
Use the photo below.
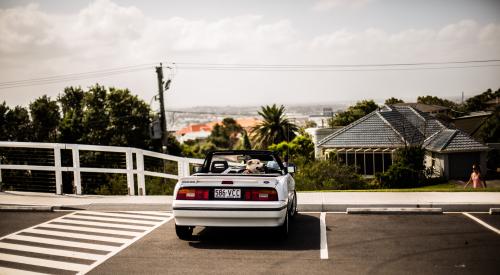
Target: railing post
(130, 171)
(186, 171)
(141, 182)
(58, 168)
(77, 180)
(180, 169)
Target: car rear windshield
(244, 164)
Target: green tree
(327, 175)
(45, 119)
(173, 146)
(490, 131)
(72, 103)
(478, 102)
(407, 169)
(225, 135)
(4, 109)
(197, 148)
(393, 100)
(129, 119)
(274, 128)
(19, 125)
(353, 113)
(246, 141)
(301, 147)
(434, 100)
(95, 120)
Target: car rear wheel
(184, 232)
(282, 230)
(293, 209)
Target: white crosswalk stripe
(73, 222)
(76, 235)
(110, 219)
(57, 252)
(12, 271)
(90, 229)
(75, 243)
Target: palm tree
(275, 127)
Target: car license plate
(227, 193)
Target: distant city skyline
(40, 39)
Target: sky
(40, 39)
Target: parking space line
(323, 246)
(460, 212)
(319, 212)
(482, 223)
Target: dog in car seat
(254, 166)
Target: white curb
(41, 208)
(394, 211)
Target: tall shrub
(407, 169)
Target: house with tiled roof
(370, 142)
(472, 123)
(426, 108)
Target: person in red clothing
(475, 178)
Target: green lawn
(443, 187)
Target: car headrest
(218, 166)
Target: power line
(257, 67)
(231, 65)
(77, 74)
(329, 70)
(73, 77)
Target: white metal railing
(183, 168)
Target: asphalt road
(357, 244)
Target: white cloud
(105, 34)
(325, 5)
(106, 30)
(25, 29)
(459, 41)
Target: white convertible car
(236, 188)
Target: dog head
(254, 166)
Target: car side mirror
(197, 169)
(291, 168)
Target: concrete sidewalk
(307, 201)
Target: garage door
(461, 164)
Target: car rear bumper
(258, 214)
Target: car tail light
(192, 194)
(261, 194)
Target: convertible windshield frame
(236, 160)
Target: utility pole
(163, 120)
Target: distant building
(317, 134)
(321, 120)
(203, 130)
(369, 143)
(248, 123)
(327, 111)
(194, 132)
